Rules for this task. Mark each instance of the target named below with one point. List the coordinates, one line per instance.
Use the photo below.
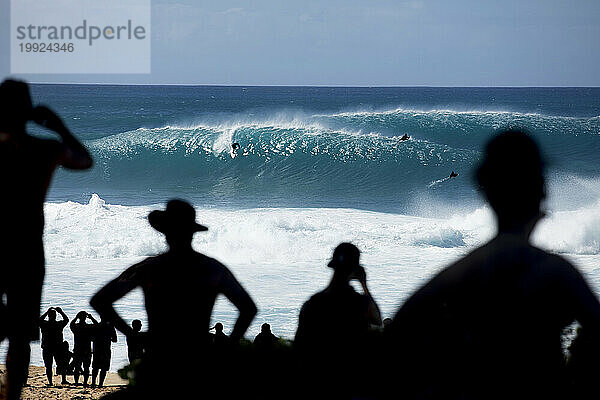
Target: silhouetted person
(489, 325)
(104, 334)
(334, 323)
(235, 146)
(27, 164)
(136, 341)
(404, 137)
(387, 321)
(582, 365)
(453, 174)
(176, 285)
(265, 339)
(219, 338)
(83, 334)
(63, 362)
(52, 339)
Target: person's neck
(339, 280)
(183, 247)
(519, 229)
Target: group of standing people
(91, 347)
(488, 326)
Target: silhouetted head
(345, 259)
(265, 328)
(177, 222)
(51, 315)
(511, 177)
(81, 315)
(136, 324)
(387, 321)
(15, 106)
(218, 327)
(65, 345)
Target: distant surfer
(453, 174)
(235, 146)
(404, 137)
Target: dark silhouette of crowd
(489, 326)
(92, 346)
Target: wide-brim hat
(178, 216)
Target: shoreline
(37, 388)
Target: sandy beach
(37, 386)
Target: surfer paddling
(235, 146)
(404, 137)
(453, 174)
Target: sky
(361, 43)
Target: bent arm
(44, 315)
(585, 303)
(63, 315)
(373, 313)
(72, 154)
(238, 296)
(103, 301)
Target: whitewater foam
(288, 235)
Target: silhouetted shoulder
(212, 264)
(142, 270)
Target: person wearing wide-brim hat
(178, 218)
(179, 285)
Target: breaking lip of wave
(315, 122)
(447, 111)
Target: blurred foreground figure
(333, 329)
(489, 326)
(178, 285)
(27, 165)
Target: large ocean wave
(350, 159)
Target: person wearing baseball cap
(333, 327)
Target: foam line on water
(284, 235)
